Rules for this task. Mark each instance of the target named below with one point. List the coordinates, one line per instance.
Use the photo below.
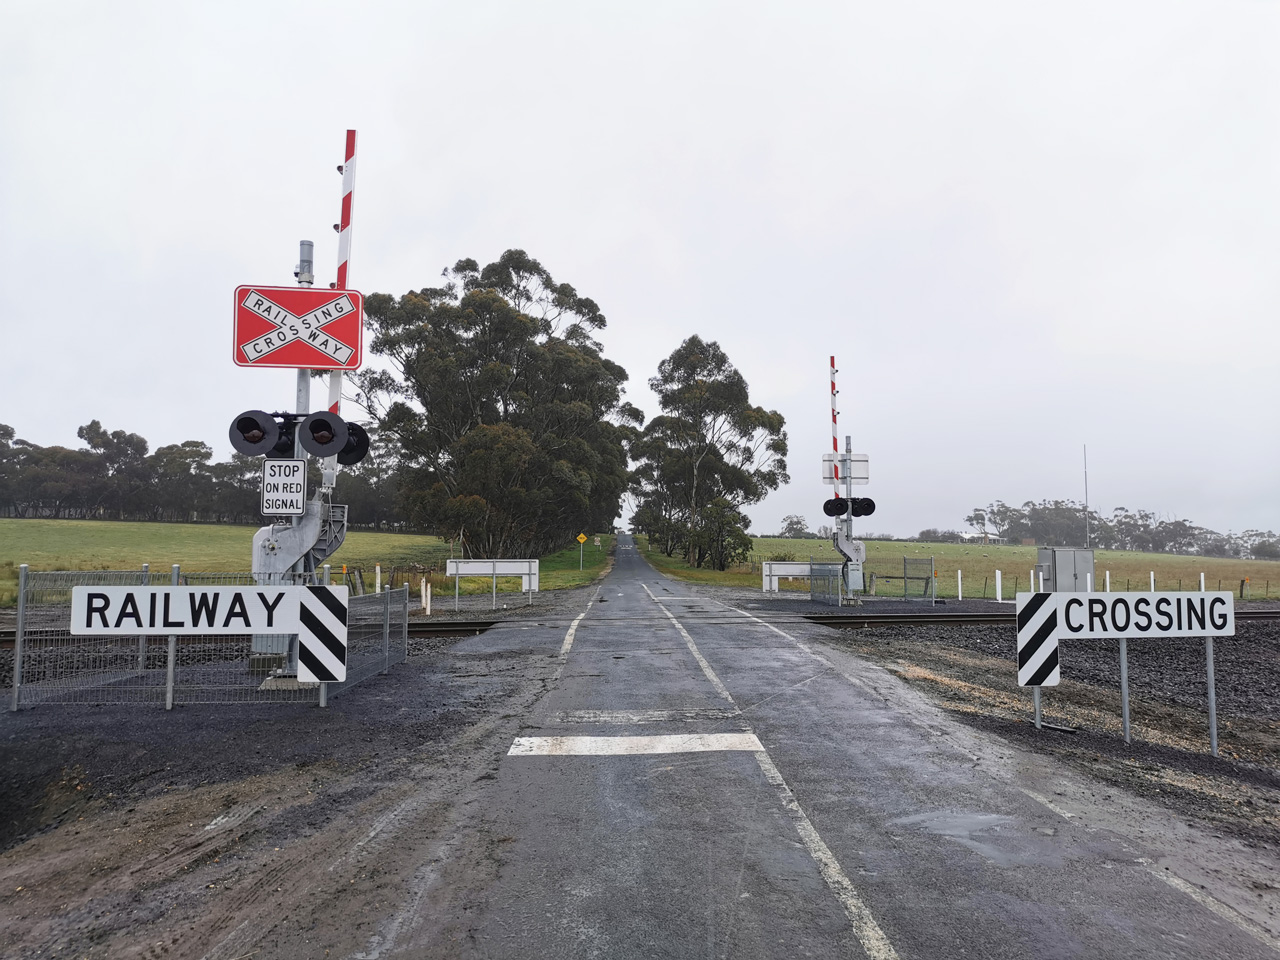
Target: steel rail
(446, 628)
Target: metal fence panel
(52, 666)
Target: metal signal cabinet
(1065, 569)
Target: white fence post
(377, 578)
(1153, 581)
(1108, 581)
(999, 588)
(959, 585)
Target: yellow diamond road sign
(582, 538)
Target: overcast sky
(1020, 227)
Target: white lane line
(693, 649)
(624, 746)
(1210, 903)
(568, 637)
(640, 716)
(874, 942)
(868, 932)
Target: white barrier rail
(774, 570)
(526, 570)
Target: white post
(1153, 581)
(1042, 583)
(1108, 581)
(1088, 583)
(1202, 581)
(1032, 581)
(428, 599)
(377, 578)
(423, 585)
(959, 585)
(999, 589)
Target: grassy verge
(111, 545)
(978, 564)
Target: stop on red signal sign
(298, 327)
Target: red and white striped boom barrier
(835, 446)
(344, 263)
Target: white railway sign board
(1046, 618)
(318, 615)
(284, 487)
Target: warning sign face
(298, 327)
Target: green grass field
(108, 545)
(979, 563)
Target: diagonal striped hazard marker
(1038, 640)
(290, 327)
(322, 634)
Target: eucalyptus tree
(509, 421)
(708, 454)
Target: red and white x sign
(298, 327)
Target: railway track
(1007, 616)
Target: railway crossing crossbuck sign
(298, 327)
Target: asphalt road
(694, 782)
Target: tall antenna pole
(343, 226)
(1086, 496)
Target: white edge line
(874, 942)
(873, 939)
(1215, 905)
(1045, 801)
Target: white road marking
(568, 637)
(868, 932)
(1048, 803)
(874, 942)
(1209, 903)
(693, 649)
(622, 746)
(640, 716)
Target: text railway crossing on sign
(290, 328)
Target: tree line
(498, 422)
(1068, 523)
(116, 476)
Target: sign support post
(1124, 688)
(1213, 700)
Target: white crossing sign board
(284, 487)
(1046, 618)
(318, 615)
(854, 467)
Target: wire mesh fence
(826, 583)
(50, 665)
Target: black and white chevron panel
(1038, 640)
(322, 634)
